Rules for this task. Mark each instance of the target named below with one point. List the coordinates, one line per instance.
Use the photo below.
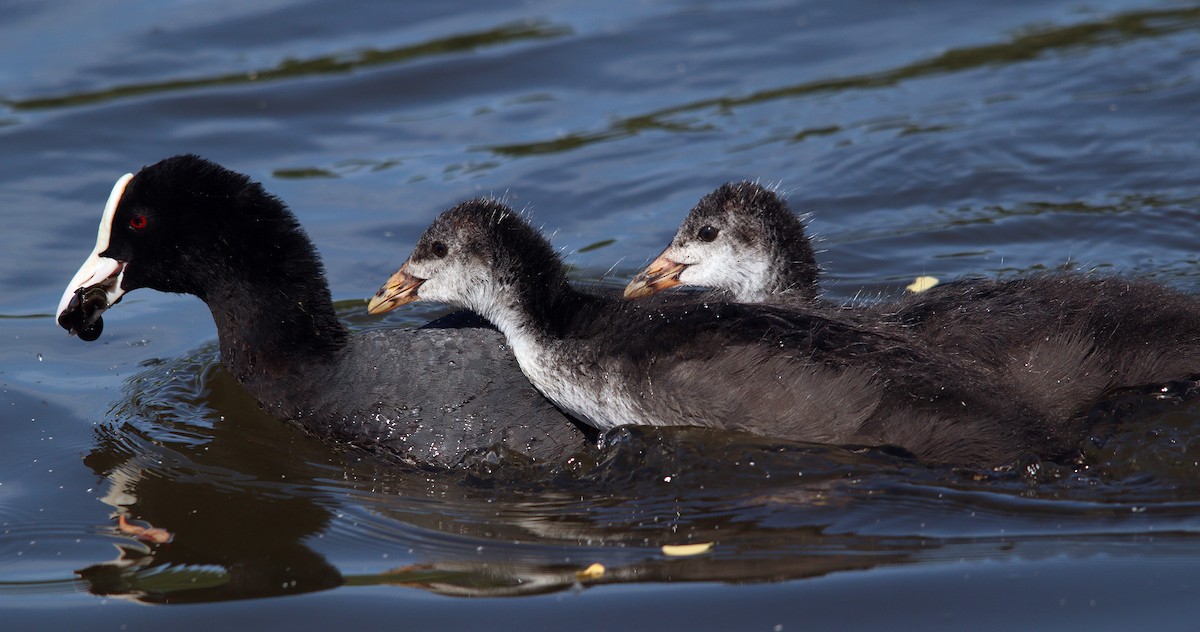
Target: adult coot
(431, 397)
(791, 373)
(1061, 340)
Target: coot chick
(190, 226)
(1060, 340)
(741, 238)
(788, 373)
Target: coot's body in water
(430, 397)
(781, 372)
(1060, 340)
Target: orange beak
(661, 274)
(400, 289)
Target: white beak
(96, 269)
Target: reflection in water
(255, 508)
(239, 521)
(1112, 31)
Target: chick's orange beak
(400, 289)
(661, 274)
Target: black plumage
(431, 397)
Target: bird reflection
(255, 509)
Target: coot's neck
(787, 284)
(793, 272)
(275, 316)
(539, 307)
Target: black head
(188, 225)
(184, 223)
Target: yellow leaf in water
(595, 571)
(921, 283)
(682, 550)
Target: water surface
(942, 138)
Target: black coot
(431, 397)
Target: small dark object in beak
(82, 316)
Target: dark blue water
(942, 138)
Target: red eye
(137, 222)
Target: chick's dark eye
(137, 222)
(707, 233)
(439, 249)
